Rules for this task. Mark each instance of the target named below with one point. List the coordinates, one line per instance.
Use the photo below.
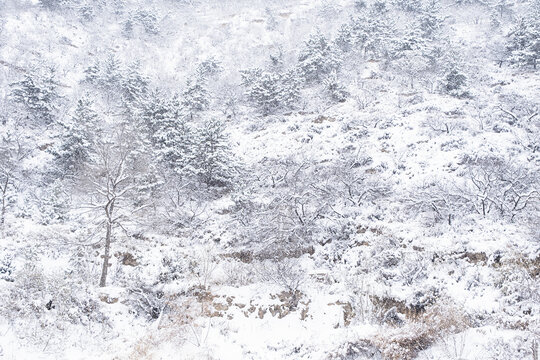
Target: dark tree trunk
(105, 267)
(108, 236)
(4, 205)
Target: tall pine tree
(78, 136)
(38, 95)
(213, 162)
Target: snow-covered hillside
(205, 179)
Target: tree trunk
(105, 267)
(3, 213)
(108, 236)
(4, 205)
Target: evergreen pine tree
(524, 41)
(264, 93)
(431, 20)
(135, 84)
(344, 38)
(79, 132)
(318, 58)
(53, 4)
(377, 36)
(106, 74)
(154, 110)
(148, 20)
(174, 138)
(270, 91)
(455, 82)
(195, 97)
(289, 89)
(409, 5)
(92, 73)
(411, 40)
(38, 95)
(502, 7)
(371, 34)
(213, 161)
(111, 76)
(127, 28)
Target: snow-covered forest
(270, 179)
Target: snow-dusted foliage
(349, 179)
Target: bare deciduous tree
(489, 185)
(115, 172)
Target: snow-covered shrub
(209, 67)
(6, 267)
(285, 273)
(286, 226)
(364, 99)
(50, 299)
(494, 185)
(361, 298)
(403, 343)
(335, 89)
(175, 267)
(435, 200)
(488, 186)
(455, 83)
(441, 124)
(518, 347)
(238, 273)
(352, 350)
(147, 302)
(202, 267)
(517, 280)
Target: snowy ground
(357, 292)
